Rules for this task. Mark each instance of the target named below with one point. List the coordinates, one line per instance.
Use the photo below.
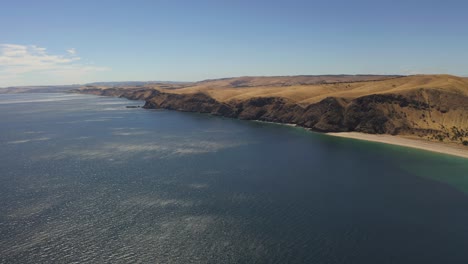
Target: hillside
(281, 81)
(434, 107)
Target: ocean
(84, 179)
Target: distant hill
(132, 83)
(434, 107)
(255, 81)
(67, 88)
(38, 89)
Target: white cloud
(28, 140)
(17, 61)
(71, 51)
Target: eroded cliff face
(413, 114)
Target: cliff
(433, 107)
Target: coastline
(438, 147)
(444, 148)
(274, 123)
(432, 146)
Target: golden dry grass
(222, 90)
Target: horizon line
(233, 77)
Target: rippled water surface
(85, 179)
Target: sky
(74, 42)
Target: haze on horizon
(66, 42)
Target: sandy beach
(450, 149)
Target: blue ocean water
(83, 179)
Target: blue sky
(64, 42)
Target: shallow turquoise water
(84, 179)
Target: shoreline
(444, 148)
(415, 143)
